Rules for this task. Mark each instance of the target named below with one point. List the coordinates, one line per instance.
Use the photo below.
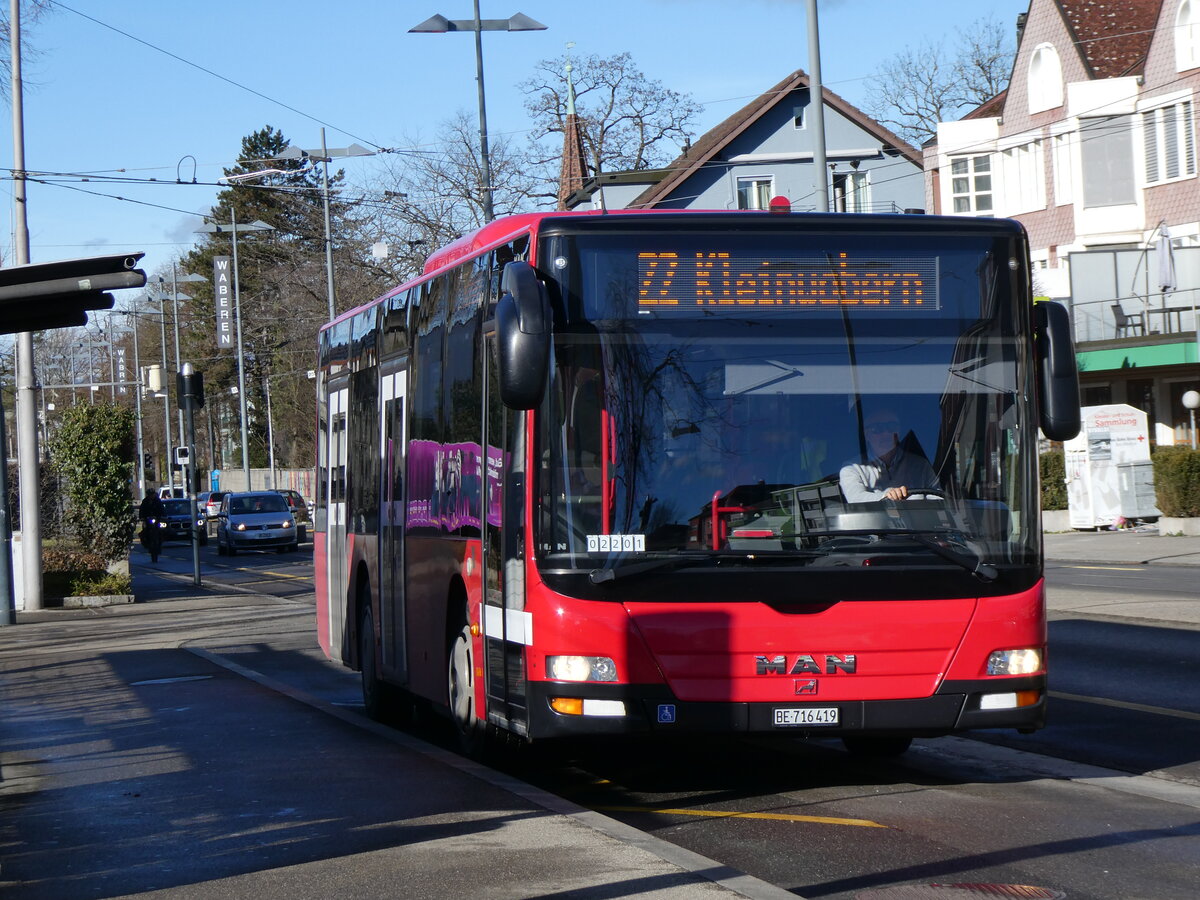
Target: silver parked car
(255, 520)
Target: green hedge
(1177, 481)
(1053, 471)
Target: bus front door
(507, 626)
(393, 442)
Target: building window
(1024, 178)
(1044, 81)
(1064, 169)
(1170, 142)
(851, 192)
(800, 111)
(1187, 35)
(754, 192)
(971, 185)
(1106, 151)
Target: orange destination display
(718, 279)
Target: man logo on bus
(806, 664)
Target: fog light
(1025, 661)
(998, 701)
(581, 668)
(574, 706)
(1009, 700)
(603, 708)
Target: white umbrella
(1166, 260)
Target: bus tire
(877, 747)
(374, 692)
(460, 685)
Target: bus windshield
(806, 399)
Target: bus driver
(891, 473)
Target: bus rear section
(732, 473)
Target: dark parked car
(255, 520)
(178, 521)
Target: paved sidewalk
(143, 752)
(1140, 547)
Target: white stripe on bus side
(520, 625)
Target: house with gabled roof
(765, 150)
(1093, 148)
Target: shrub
(93, 452)
(1052, 467)
(71, 572)
(1177, 481)
(67, 559)
(100, 584)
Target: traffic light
(60, 294)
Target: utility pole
(27, 442)
(816, 102)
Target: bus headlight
(1025, 661)
(581, 668)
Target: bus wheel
(877, 747)
(461, 687)
(373, 690)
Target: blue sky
(119, 87)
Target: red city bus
(625, 474)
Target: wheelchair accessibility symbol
(666, 713)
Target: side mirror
(1057, 375)
(523, 329)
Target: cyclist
(150, 511)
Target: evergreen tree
(282, 286)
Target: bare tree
(915, 89)
(430, 198)
(629, 121)
(31, 11)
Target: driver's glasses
(883, 427)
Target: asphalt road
(1101, 804)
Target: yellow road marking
(718, 814)
(1110, 568)
(261, 572)
(1122, 704)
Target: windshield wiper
(972, 562)
(642, 567)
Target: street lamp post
(176, 278)
(232, 230)
(1191, 400)
(324, 154)
(439, 24)
(169, 472)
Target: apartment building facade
(1093, 149)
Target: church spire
(573, 172)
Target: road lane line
(1130, 568)
(1124, 704)
(723, 814)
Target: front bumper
(653, 709)
(261, 540)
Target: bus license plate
(809, 715)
